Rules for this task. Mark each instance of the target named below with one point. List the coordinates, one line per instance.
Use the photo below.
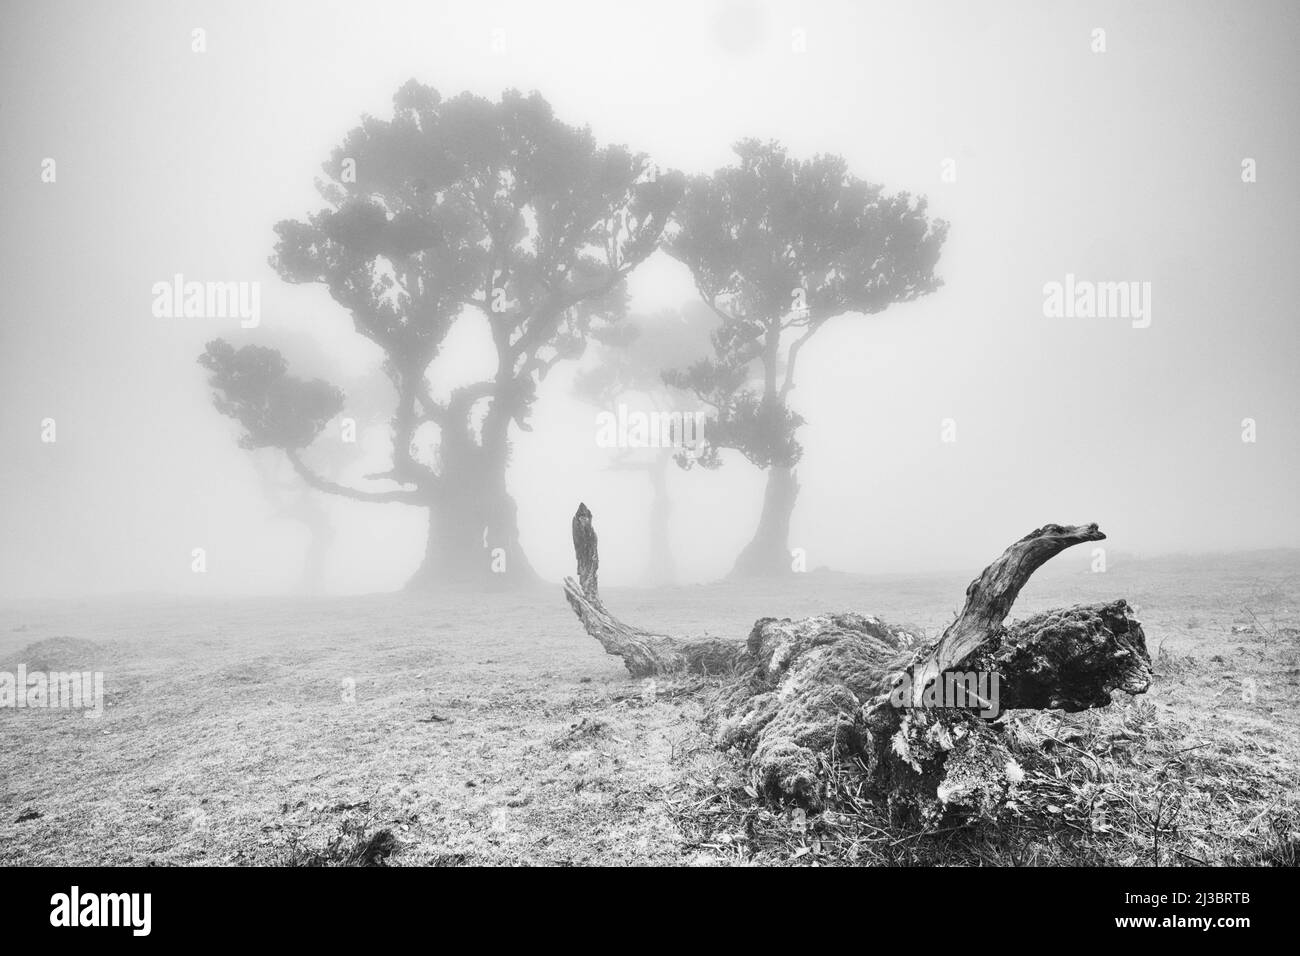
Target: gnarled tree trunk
(473, 536)
(473, 541)
(661, 569)
(805, 697)
(768, 552)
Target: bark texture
(809, 700)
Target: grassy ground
(491, 730)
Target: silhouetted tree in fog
(778, 247)
(367, 403)
(629, 371)
(456, 208)
(291, 500)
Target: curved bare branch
(402, 496)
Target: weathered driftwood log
(811, 699)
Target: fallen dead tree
(802, 700)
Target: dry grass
(403, 731)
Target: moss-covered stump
(1067, 659)
(819, 700)
(809, 702)
(798, 703)
(933, 765)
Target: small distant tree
(778, 247)
(294, 501)
(460, 207)
(629, 369)
(366, 405)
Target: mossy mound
(799, 703)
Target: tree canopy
(454, 207)
(778, 247)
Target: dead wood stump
(807, 701)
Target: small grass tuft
(351, 846)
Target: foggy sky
(1119, 166)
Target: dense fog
(936, 430)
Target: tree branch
(990, 596)
(643, 653)
(791, 357)
(321, 484)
